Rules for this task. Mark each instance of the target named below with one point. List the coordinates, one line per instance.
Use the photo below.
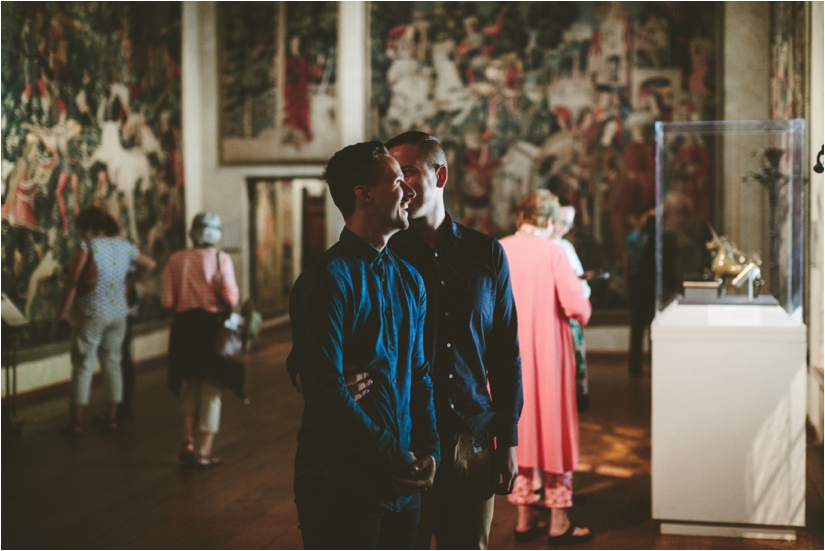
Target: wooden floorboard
(127, 491)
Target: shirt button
(435, 254)
(449, 345)
(450, 376)
(443, 283)
(447, 314)
(452, 406)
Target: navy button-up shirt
(364, 308)
(471, 332)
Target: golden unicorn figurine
(730, 264)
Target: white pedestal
(728, 420)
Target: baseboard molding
(57, 390)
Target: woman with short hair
(198, 284)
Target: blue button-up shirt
(471, 332)
(364, 308)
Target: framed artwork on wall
(277, 74)
(553, 95)
(91, 117)
(287, 231)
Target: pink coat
(547, 294)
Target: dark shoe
(187, 455)
(568, 538)
(531, 533)
(71, 430)
(207, 462)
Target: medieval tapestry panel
(554, 95)
(90, 116)
(278, 100)
(271, 244)
(788, 59)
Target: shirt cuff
(508, 436)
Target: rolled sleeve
(424, 432)
(504, 369)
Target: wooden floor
(127, 490)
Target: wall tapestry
(278, 100)
(90, 116)
(272, 242)
(788, 59)
(555, 95)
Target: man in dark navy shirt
(361, 466)
(471, 340)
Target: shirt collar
(410, 236)
(361, 248)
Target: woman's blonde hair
(537, 207)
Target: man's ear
(362, 193)
(441, 174)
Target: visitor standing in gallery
(547, 295)
(360, 466)
(471, 339)
(94, 310)
(198, 285)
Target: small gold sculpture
(731, 265)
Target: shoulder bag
(228, 341)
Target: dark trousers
(332, 517)
(642, 311)
(127, 368)
(458, 509)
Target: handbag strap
(219, 297)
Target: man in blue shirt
(360, 467)
(471, 339)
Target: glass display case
(730, 210)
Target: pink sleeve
(229, 287)
(569, 289)
(167, 297)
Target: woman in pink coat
(547, 294)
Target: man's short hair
(352, 166)
(427, 144)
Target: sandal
(568, 538)
(531, 533)
(187, 455)
(207, 462)
(102, 421)
(71, 430)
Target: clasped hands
(421, 476)
(422, 471)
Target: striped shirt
(189, 280)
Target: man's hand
(505, 470)
(422, 474)
(357, 383)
